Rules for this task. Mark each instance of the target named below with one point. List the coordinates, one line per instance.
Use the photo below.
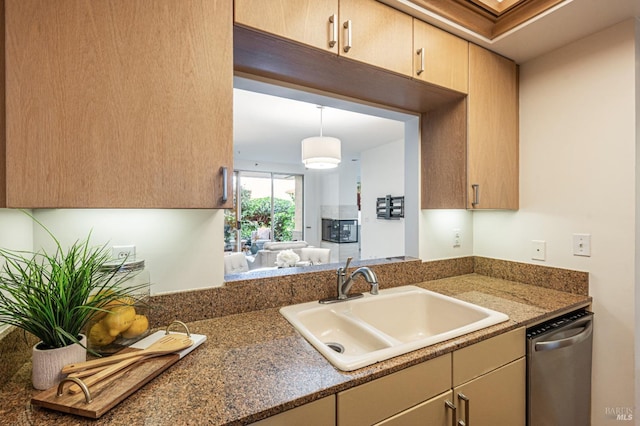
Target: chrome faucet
(344, 283)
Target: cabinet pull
(420, 53)
(225, 177)
(476, 195)
(334, 30)
(347, 27)
(450, 405)
(463, 397)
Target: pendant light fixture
(321, 152)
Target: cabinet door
(493, 131)
(312, 22)
(377, 35)
(317, 413)
(439, 57)
(496, 398)
(118, 103)
(437, 411)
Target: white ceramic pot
(47, 363)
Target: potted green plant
(53, 296)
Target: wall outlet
(456, 238)
(538, 250)
(582, 245)
(123, 252)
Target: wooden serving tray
(111, 391)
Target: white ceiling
(270, 128)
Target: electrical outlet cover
(538, 250)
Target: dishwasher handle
(585, 323)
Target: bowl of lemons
(123, 321)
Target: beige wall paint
(578, 175)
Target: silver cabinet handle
(420, 53)
(586, 324)
(225, 180)
(463, 397)
(476, 195)
(348, 27)
(449, 404)
(334, 30)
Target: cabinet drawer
(382, 398)
(432, 412)
(317, 413)
(478, 359)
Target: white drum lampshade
(321, 152)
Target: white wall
(578, 175)
(381, 176)
(182, 249)
(637, 233)
(437, 231)
(16, 233)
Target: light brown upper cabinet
(469, 147)
(376, 34)
(439, 57)
(363, 30)
(492, 154)
(312, 22)
(118, 103)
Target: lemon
(119, 319)
(139, 325)
(123, 301)
(99, 335)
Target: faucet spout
(368, 275)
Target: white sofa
(266, 258)
(235, 263)
(314, 256)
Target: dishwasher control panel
(555, 323)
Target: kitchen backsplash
(243, 295)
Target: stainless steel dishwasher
(559, 371)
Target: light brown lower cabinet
(317, 413)
(438, 411)
(496, 398)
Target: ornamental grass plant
(54, 295)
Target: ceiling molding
(487, 18)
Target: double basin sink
(360, 332)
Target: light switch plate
(582, 245)
(538, 250)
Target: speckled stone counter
(255, 364)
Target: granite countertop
(255, 364)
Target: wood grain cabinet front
(311, 22)
(439, 57)
(118, 103)
(363, 30)
(493, 131)
(469, 147)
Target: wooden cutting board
(113, 390)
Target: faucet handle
(346, 266)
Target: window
(269, 208)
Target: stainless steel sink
(361, 332)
